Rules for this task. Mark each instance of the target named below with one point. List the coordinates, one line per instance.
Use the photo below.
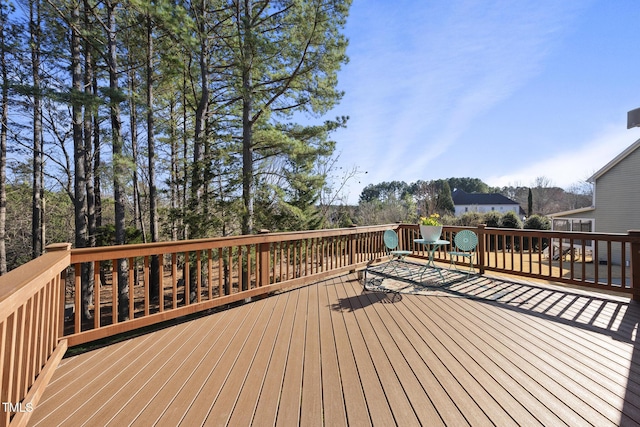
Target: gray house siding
(617, 193)
(616, 200)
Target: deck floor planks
(246, 392)
(591, 370)
(355, 403)
(377, 404)
(166, 376)
(432, 374)
(88, 383)
(399, 402)
(454, 366)
(311, 399)
(290, 395)
(408, 379)
(230, 373)
(115, 396)
(575, 358)
(493, 351)
(521, 381)
(192, 400)
(499, 405)
(334, 412)
(608, 350)
(163, 400)
(266, 409)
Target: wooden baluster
(161, 282)
(174, 278)
(210, 273)
(147, 298)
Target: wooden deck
(479, 352)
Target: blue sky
(501, 90)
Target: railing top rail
(20, 284)
(621, 237)
(144, 249)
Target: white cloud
(572, 165)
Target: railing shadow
(612, 316)
(582, 309)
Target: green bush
(537, 222)
(492, 219)
(471, 219)
(510, 220)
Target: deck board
(486, 351)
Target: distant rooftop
(461, 197)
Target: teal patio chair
(391, 243)
(465, 242)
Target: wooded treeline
(193, 117)
(398, 201)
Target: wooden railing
(602, 261)
(69, 297)
(30, 332)
(197, 275)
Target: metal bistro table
(431, 248)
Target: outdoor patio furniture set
(465, 243)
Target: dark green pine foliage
(444, 204)
(289, 184)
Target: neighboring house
(483, 202)
(616, 202)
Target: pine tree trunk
(151, 151)
(97, 187)
(4, 120)
(37, 245)
(89, 132)
(247, 123)
(197, 176)
(118, 164)
(80, 161)
(133, 129)
(175, 190)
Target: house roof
(463, 198)
(572, 212)
(630, 149)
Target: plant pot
(430, 233)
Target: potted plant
(430, 227)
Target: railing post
(264, 250)
(635, 264)
(352, 247)
(56, 247)
(481, 247)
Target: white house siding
(462, 209)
